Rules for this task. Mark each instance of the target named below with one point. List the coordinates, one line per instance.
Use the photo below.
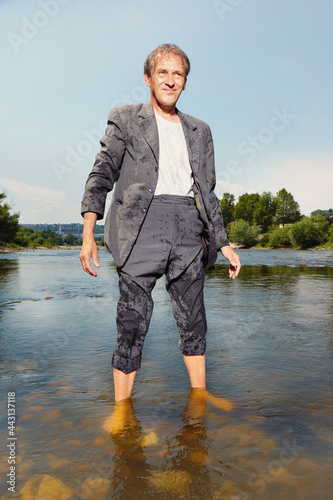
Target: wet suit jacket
(128, 162)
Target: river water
(264, 432)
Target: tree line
(12, 234)
(269, 221)
(261, 220)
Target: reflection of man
(161, 163)
(183, 458)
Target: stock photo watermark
(255, 144)
(259, 480)
(12, 442)
(75, 155)
(224, 8)
(30, 28)
(264, 476)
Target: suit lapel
(148, 126)
(192, 141)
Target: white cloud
(309, 179)
(37, 204)
(227, 187)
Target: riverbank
(235, 247)
(29, 249)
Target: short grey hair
(166, 48)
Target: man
(161, 162)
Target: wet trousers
(169, 243)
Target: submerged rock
(171, 480)
(149, 439)
(95, 488)
(52, 415)
(45, 488)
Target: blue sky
(261, 77)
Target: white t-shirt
(175, 173)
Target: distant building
(63, 229)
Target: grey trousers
(169, 243)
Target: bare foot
(122, 418)
(220, 403)
(196, 407)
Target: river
(265, 432)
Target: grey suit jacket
(128, 162)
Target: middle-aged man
(162, 214)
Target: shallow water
(270, 353)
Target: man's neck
(168, 113)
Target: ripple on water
(265, 432)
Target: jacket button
(151, 190)
(143, 210)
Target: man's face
(167, 81)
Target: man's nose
(169, 80)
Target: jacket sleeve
(106, 169)
(215, 213)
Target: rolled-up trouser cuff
(195, 349)
(126, 365)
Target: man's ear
(184, 86)
(147, 79)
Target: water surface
(269, 353)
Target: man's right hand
(89, 250)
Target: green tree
(51, 238)
(9, 224)
(69, 239)
(244, 208)
(324, 213)
(242, 233)
(309, 231)
(264, 210)
(227, 206)
(279, 237)
(287, 209)
(100, 242)
(26, 236)
(99, 228)
(330, 233)
(23, 236)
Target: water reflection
(194, 443)
(183, 471)
(8, 270)
(130, 468)
(262, 275)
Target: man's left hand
(233, 258)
